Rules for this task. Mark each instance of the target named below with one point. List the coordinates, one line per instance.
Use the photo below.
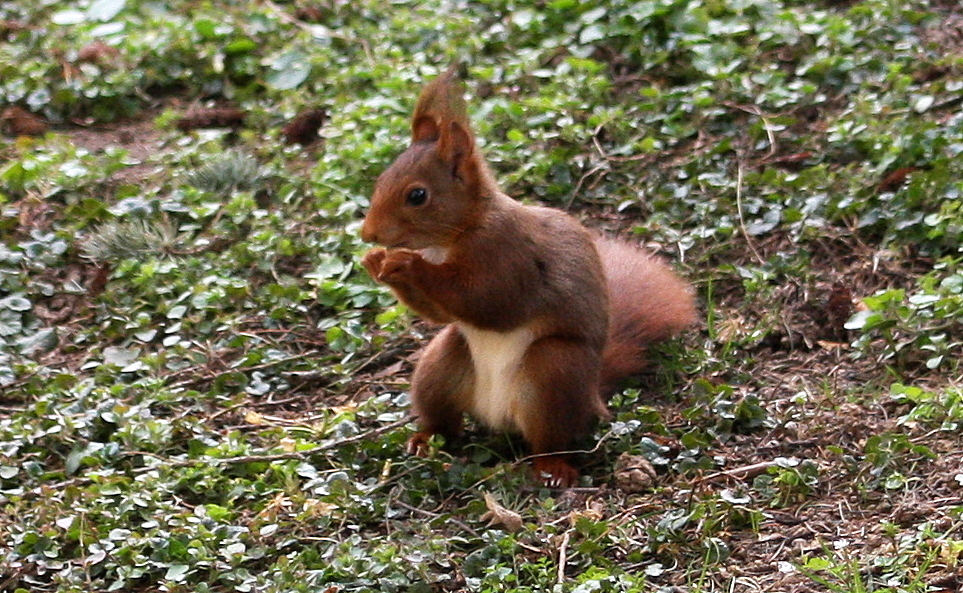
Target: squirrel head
(439, 186)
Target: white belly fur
(499, 386)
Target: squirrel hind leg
(441, 389)
(563, 376)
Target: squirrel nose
(368, 234)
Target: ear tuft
(441, 102)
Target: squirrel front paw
(396, 265)
(373, 261)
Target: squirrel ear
(440, 102)
(456, 143)
(424, 128)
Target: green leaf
(330, 267)
(770, 221)
(104, 10)
(818, 563)
(15, 303)
(923, 103)
(68, 17)
(120, 356)
(108, 29)
(591, 33)
(11, 323)
(733, 497)
(235, 549)
(860, 319)
(40, 342)
(217, 512)
(73, 461)
(66, 522)
(206, 28)
(240, 46)
(177, 572)
(288, 71)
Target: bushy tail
(648, 303)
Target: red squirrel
(543, 316)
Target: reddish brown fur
(565, 376)
(444, 377)
(507, 268)
(648, 303)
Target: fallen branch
(741, 473)
(563, 557)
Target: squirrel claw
(418, 444)
(555, 472)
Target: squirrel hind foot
(418, 444)
(555, 471)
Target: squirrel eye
(417, 196)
